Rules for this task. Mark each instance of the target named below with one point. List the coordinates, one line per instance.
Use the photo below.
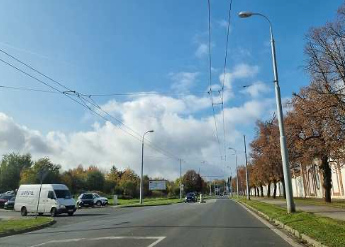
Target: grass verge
(13, 226)
(328, 231)
(146, 202)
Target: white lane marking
(158, 239)
(287, 238)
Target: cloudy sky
(156, 54)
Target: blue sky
(130, 46)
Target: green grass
(325, 230)
(146, 202)
(336, 203)
(14, 225)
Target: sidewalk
(327, 211)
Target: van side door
(51, 200)
(43, 201)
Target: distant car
(85, 200)
(190, 197)
(10, 203)
(99, 200)
(3, 199)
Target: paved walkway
(331, 212)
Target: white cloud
(183, 81)
(105, 145)
(202, 50)
(256, 89)
(184, 126)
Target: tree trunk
(258, 191)
(327, 178)
(283, 183)
(269, 189)
(274, 189)
(262, 190)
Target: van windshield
(63, 194)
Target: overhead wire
(210, 77)
(82, 100)
(224, 74)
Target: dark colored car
(85, 200)
(190, 197)
(10, 203)
(4, 198)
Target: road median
(22, 225)
(148, 202)
(313, 229)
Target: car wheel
(23, 211)
(53, 212)
(70, 213)
(99, 203)
(40, 214)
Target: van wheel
(23, 211)
(53, 212)
(70, 214)
(99, 203)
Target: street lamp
(142, 166)
(283, 148)
(236, 170)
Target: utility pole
(247, 175)
(180, 179)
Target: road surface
(220, 222)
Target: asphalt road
(218, 222)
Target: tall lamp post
(236, 170)
(142, 166)
(284, 152)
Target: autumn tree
(10, 168)
(266, 155)
(192, 181)
(45, 166)
(322, 103)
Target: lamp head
(151, 131)
(245, 14)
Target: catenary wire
(81, 100)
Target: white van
(54, 199)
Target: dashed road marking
(157, 240)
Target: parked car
(10, 203)
(190, 197)
(54, 199)
(85, 200)
(4, 198)
(99, 200)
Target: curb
(30, 229)
(147, 205)
(296, 233)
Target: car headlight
(62, 206)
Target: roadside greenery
(16, 169)
(15, 225)
(328, 231)
(148, 202)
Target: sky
(152, 46)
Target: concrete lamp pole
(236, 170)
(284, 151)
(180, 179)
(247, 174)
(142, 166)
